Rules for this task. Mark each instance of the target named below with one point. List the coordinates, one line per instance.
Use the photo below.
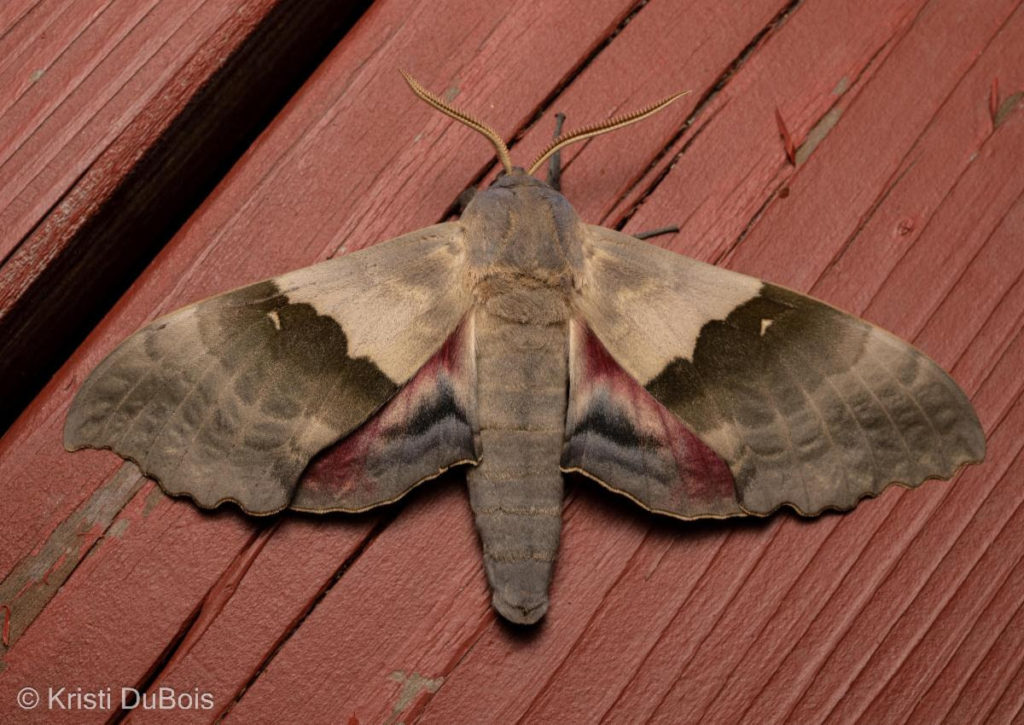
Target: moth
(524, 344)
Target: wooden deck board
(908, 211)
(116, 119)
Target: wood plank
(991, 668)
(386, 617)
(582, 675)
(952, 316)
(618, 640)
(116, 119)
(325, 147)
(737, 691)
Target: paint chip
(275, 318)
(1008, 106)
(787, 140)
(817, 134)
(765, 324)
(36, 75)
(413, 684)
(7, 624)
(116, 531)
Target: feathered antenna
(559, 143)
(599, 128)
(462, 117)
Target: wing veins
(149, 374)
(849, 409)
(888, 415)
(804, 463)
(913, 398)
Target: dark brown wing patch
(814, 408)
(229, 399)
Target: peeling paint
(56, 567)
(6, 639)
(1008, 106)
(787, 139)
(413, 684)
(817, 134)
(154, 497)
(37, 576)
(36, 75)
(841, 86)
(993, 99)
(117, 530)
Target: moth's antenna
(462, 117)
(599, 128)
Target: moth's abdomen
(516, 490)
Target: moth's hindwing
(809, 407)
(619, 435)
(230, 398)
(423, 431)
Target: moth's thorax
(525, 248)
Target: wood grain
(116, 120)
(905, 206)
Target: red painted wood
(73, 68)
(908, 211)
(111, 116)
(332, 149)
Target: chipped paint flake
(841, 86)
(1008, 106)
(787, 139)
(818, 134)
(153, 499)
(117, 530)
(7, 625)
(765, 324)
(413, 684)
(37, 576)
(275, 318)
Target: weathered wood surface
(116, 118)
(905, 206)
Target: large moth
(525, 344)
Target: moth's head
(515, 174)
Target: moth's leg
(555, 162)
(657, 232)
